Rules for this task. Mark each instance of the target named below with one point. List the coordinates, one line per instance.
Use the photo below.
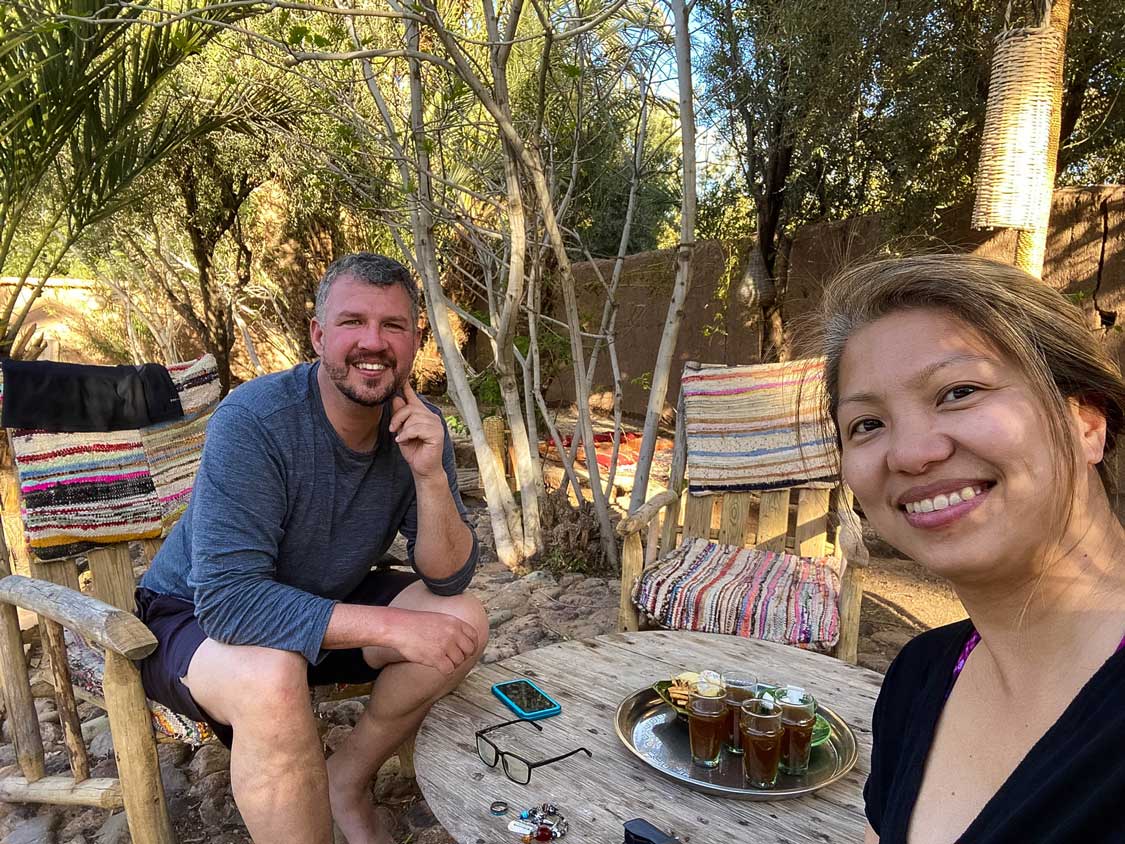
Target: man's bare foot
(357, 820)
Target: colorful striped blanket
(713, 588)
(82, 490)
(87, 671)
(742, 428)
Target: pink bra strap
(974, 640)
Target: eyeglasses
(516, 768)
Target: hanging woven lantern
(1012, 180)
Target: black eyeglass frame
(502, 756)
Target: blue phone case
(553, 709)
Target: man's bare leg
(402, 695)
(277, 768)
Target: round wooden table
(597, 795)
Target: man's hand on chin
(419, 433)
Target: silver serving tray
(657, 736)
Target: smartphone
(526, 699)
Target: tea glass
(761, 734)
(706, 720)
(798, 717)
(740, 688)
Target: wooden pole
(22, 717)
(135, 751)
(632, 565)
(112, 568)
(64, 791)
(64, 701)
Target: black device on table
(640, 831)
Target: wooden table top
(597, 795)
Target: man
(264, 586)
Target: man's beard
(372, 396)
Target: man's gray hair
(372, 269)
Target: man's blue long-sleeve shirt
(285, 520)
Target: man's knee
(239, 682)
(471, 611)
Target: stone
(210, 787)
(420, 817)
(87, 710)
(576, 599)
(216, 811)
(45, 706)
(336, 736)
(209, 759)
(538, 578)
(520, 623)
(496, 651)
(173, 753)
(498, 617)
(50, 732)
(345, 712)
(529, 638)
(56, 762)
(174, 778)
(515, 600)
(78, 839)
(105, 768)
(101, 745)
(37, 830)
(49, 716)
(86, 822)
(7, 754)
(591, 584)
(94, 726)
(569, 579)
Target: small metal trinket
(498, 807)
(545, 821)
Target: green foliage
(83, 115)
(644, 380)
(455, 425)
(880, 108)
(486, 389)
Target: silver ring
(498, 808)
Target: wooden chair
(782, 517)
(169, 455)
(138, 789)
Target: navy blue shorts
(173, 623)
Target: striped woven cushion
(82, 490)
(713, 588)
(87, 671)
(741, 424)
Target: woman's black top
(1070, 787)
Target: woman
(975, 413)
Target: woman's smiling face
(947, 447)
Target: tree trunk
(659, 390)
(501, 505)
